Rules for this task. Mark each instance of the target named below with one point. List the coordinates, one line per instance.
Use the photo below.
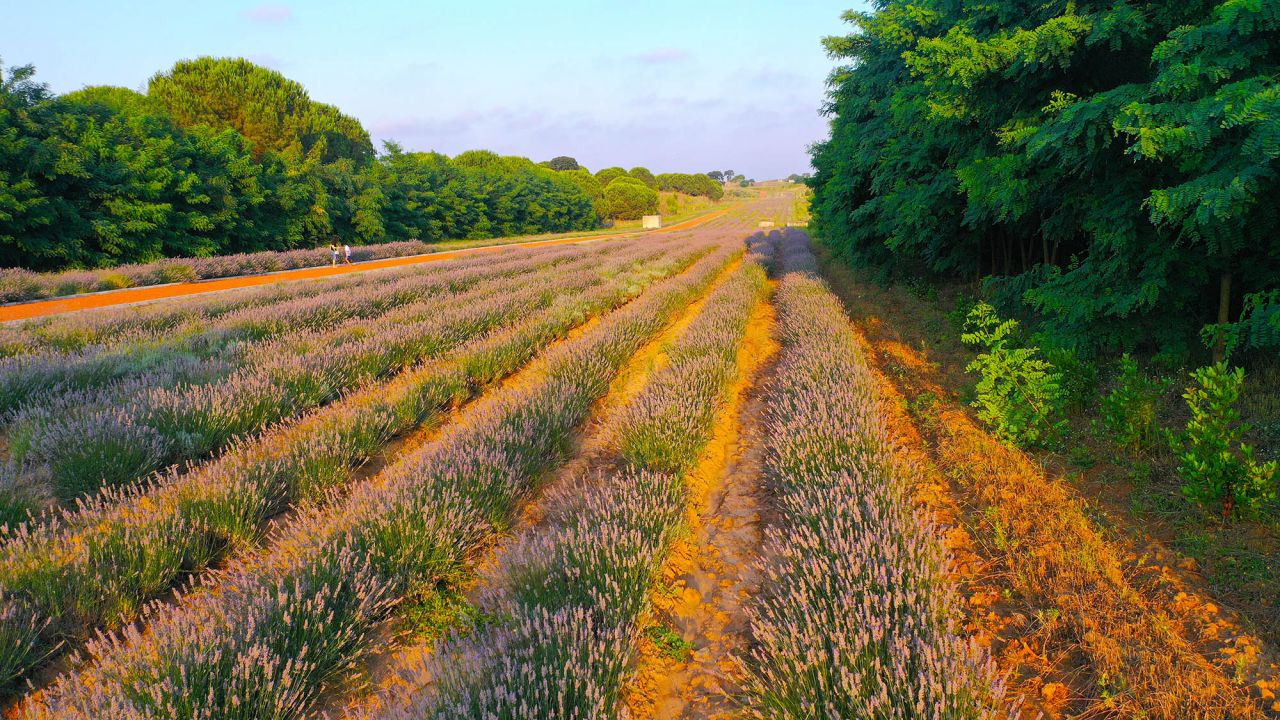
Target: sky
(674, 85)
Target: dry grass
(1073, 615)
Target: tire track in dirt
(710, 573)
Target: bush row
(97, 565)
(854, 618)
(293, 622)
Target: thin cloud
(269, 13)
(663, 56)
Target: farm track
(130, 296)
(301, 435)
(709, 572)
(1087, 627)
(593, 451)
(268, 561)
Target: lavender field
(467, 490)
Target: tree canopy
(222, 156)
(271, 111)
(644, 175)
(1111, 168)
(690, 184)
(563, 162)
(608, 174)
(630, 199)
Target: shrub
(1216, 465)
(114, 281)
(1019, 394)
(1129, 410)
(629, 199)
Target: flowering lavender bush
(120, 437)
(97, 565)
(232, 337)
(570, 594)
(288, 622)
(17, 284)
(855, 616)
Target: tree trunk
(1224, 316)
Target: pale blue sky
(674, 85)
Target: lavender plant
(570, 595)
(160, 425)
(855, 618)
(98, 564)
(306, 608)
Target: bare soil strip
(709, 573)
(129, 296)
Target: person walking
(333, 250)
(346, 253)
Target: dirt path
(129, 296)
(709, 574)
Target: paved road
(72, 303)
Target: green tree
(1105, 165)
(630, 199)
(563, 162)
(644, 175)
(607, 175)
(273, 112)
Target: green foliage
(1129, 410)
(610, 174)
(690, 185)
(272, 112)
(222, 156)
(1257, 328)
(629, 199)
(1218, 468)
(644, 175)
(1019, 394)
(669, 642)
(1112, 163)
(563, 162)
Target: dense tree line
(1110, 166)
(222, 156)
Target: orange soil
(1075, 619)
(708, 574)
(73, 303)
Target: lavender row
(570, 594)
(121, 437)
(856, 614)
(51, 373)
(17, 284)
(108, 326)
(97, 565)
(294, 621)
